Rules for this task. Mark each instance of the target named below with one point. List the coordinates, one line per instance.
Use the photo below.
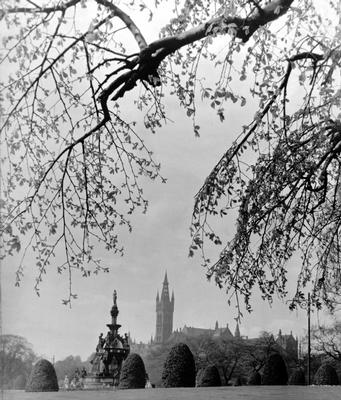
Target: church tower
(164, 313)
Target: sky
(159, 242)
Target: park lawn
(223, 393)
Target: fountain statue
(111, 351)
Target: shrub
(275, 371)
(297, 377)
(209, 376)
(43, 378)
(254, 379)
(133, 373)
(326, 375)
(179, 367)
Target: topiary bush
(209, 376)
(297, 377)
(179, 367)
(275, 371)
(43, 378)
(326, 375)
(133, 373)
(255, 379)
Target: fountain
(111, 351)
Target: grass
(221, 393)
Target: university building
(164, 332)
(164, 321)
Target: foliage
(82, 161)
(69, 365)
(327, 340)
(209, 376)
(43, 378)
(154, 361)
(255, 378)
(275, 371)
(238, 381)
(16, 360)
(297, 377)
(179, 367)
(326, 375)
(227, 354)
(19, 382)
(315, 362)
(233, 357)
(257, 351)
(133, 373)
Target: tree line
(236, 360)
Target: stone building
(164, 322)
(216, 333)
(288, 343)
(164, 313)
(164, 328)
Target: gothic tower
(164, 313)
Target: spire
(165, 290)
(164, 313)
(165, 281)
(237, 331)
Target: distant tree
(208, 376)
(68, 366)
(315, 362)
(297, 377)
(234, 357)
(43, 378)
(133, 373)
(179, 367)
(275, 371)
(238, 381)
(258, 350)
(327, 340)
(226, 353)
(16, 360)
(19, 383)
(326, 375)
(255, 378)
(69, 68)
(154, 362)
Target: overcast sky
(159, 242)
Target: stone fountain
(111, 351)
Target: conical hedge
(326, 375)
(209, 376)
(43, 378)
(133, 373)
(255, 379)
(297, 377)
(275, 371)
(179, 367)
